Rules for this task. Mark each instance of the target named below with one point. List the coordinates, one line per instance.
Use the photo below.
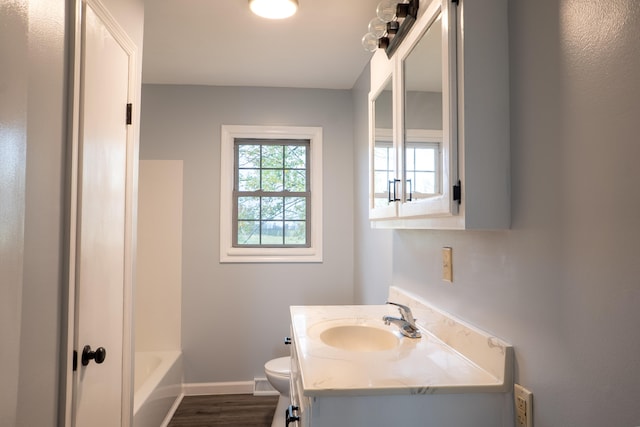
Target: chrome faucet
(406, 322)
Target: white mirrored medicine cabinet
(439, 121)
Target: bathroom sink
(359, 338)
(349, 351)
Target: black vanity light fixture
(392, 23)
(274, 9)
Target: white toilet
(278, 372)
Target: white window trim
(229, 254)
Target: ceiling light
(274, 9)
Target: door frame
(68, 329)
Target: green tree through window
(271, 193)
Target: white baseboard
(234, 387)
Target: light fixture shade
(274, 9)
(377, 27)
(386, 10)
(370, 42)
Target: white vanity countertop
(426, 365)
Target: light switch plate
(447, 264)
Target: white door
(104, 215)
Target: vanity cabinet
(412, 382)
(480, 410)
(439, 121)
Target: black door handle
(99, 355)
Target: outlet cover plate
(523, 406)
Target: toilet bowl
(278, 372)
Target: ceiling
(221, 43)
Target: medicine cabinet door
(428, 115)
(384, 191)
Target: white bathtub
(157, 387)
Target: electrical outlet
(447, 264)
(523, 400)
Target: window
(271, 194)
(384, 172)
(384, 168)
(421, 169)
(422, 163)
(422, 159)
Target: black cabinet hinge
(457, 192)
(454, 1)
(129, 113)
(75, 360)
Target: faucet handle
(405, 312)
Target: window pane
(381, 182)
(295, 157)
(295, 180)
(272, 233)
(272, 180)
(248, 156)
(425, 182)
(295, 233)
(249, 208)
(272, 208)
(268, 176)
(248, 180)
(295, 208)
(248, 233)
(410, 183)
(272, 156)
(380, 202)
(409, 158)
(381, 158)
(426, 159)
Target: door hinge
(454, 1)
(75, 360)
(457, 192)
(129, 113)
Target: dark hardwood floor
(233, 410)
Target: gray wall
(423, 110)
(236, 315)
(14, 21)
(43, 236)
(373, 247)
(33, 142)
(563, 285)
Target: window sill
(270, 255)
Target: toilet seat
(280, 367)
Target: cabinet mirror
(428, 124)
(384, 159)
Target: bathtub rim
(168, 359)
